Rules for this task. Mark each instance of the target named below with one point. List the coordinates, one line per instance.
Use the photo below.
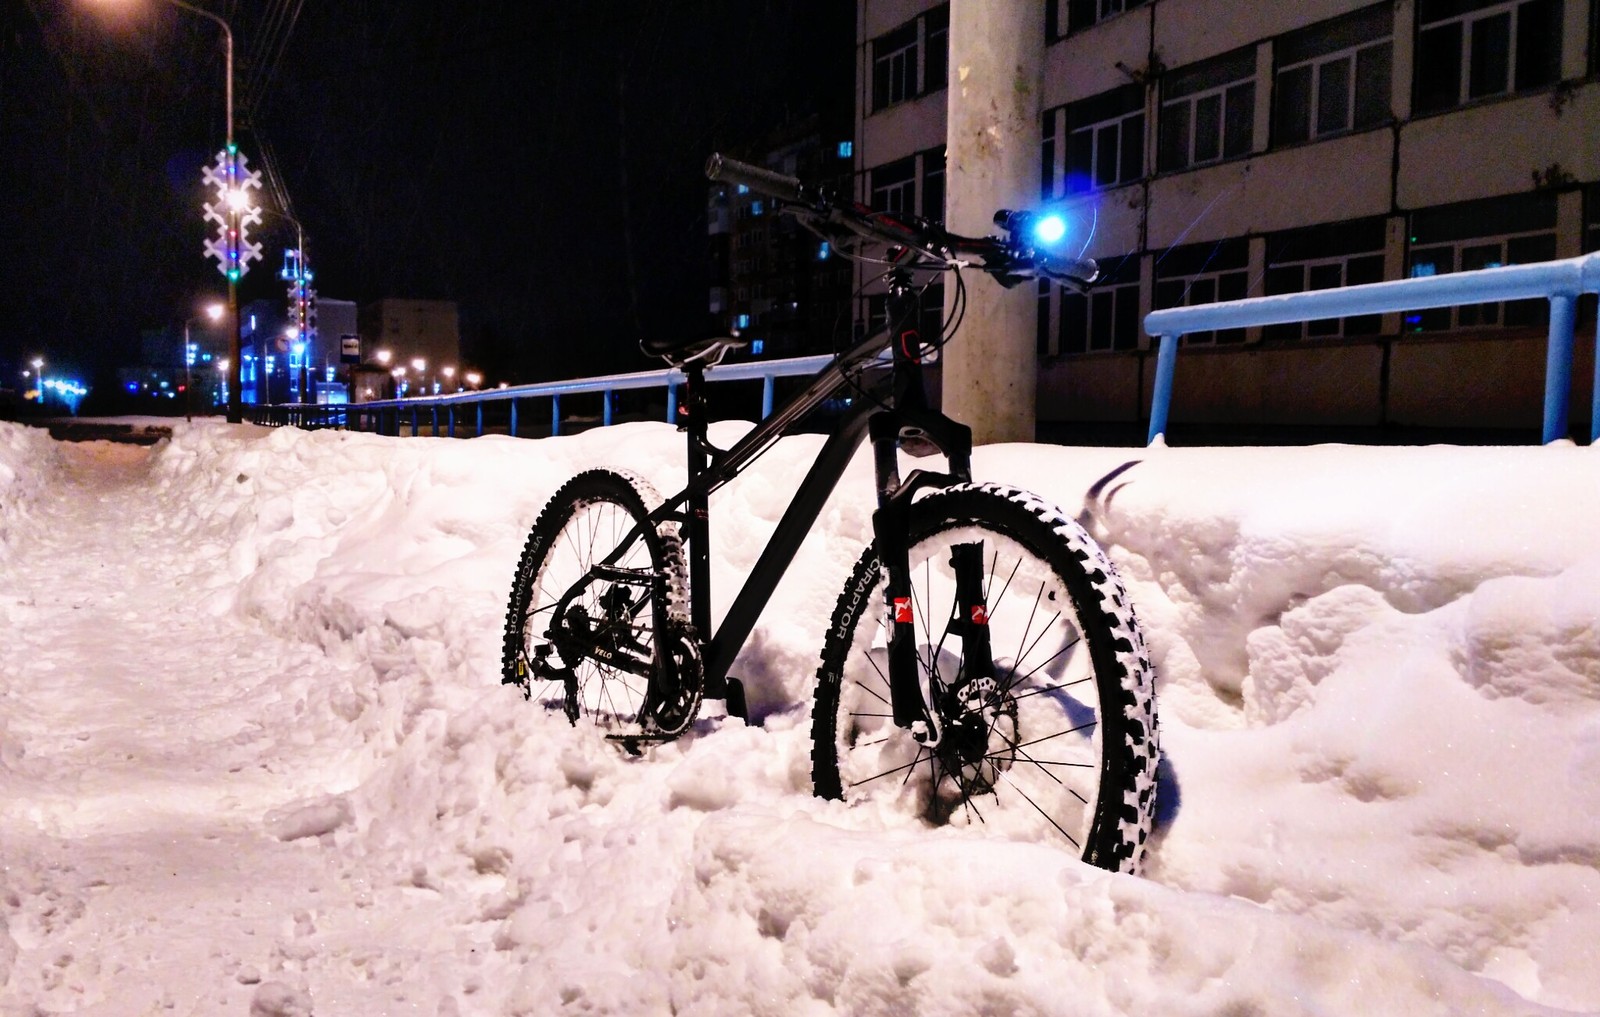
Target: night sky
(538, 162)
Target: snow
(255, 757)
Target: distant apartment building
(1227, 149)
(773, 281)
(418, 342)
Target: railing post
(1161, 398)
(1594, 409)
(451, 412)
(513, 418)
(480, 419)
(555, 414)
(416, 428)
(766, 396)
(605, 410)
(1558, 367)
(672, 402)
(434, 411)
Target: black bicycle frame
(904, 417)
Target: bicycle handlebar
(1009, 260)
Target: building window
(933, 184)
(1325, 258)
(913, 60)
(1474, 49)
(1334, 76)
(1515, 230)
(1063, 17)
(1208, 111)
(1591, 216)
(1107, 317)
(1104, 138)
(1204, 274)
(894, 186)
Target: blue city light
(757, 346)
(825, 251)
(847, 149)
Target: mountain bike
(983, 665)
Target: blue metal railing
(387, 415)
(1560, 282)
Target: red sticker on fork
(902, 610)
(980, 615)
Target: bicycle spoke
(1058, 734)
(1048, 818)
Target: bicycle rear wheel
(598, 625)
(1058, 745)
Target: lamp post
(38, 377)
(299, 279)
(233, 266)
(235, 349)
(214, 312)
(420, 365)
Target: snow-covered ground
(255, 757)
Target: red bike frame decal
(980, 615)
(902, 610)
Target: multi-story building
(418, 339)
(1225, 149)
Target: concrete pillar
(996, 53)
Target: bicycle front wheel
(597, 626)
(1055, 742)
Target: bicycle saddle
(680, 350)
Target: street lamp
(235, 199)
(38, 377)
(384, 356)
(449, 375)
(214, 312)
(474, 379)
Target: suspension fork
(914, 700)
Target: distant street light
(214, 312)
(449, 375)
(38, 377)
(384, 356)
(474, 379)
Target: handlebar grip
(1079, 270)
(765, 181)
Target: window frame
(1354, 246)
(1093, 118)
(1314, 38)
(1111, 309)
(924, 42)
(1214, 266)
(885, 195)
(1197, 89)
(1064, 18)
(1479, 12)
(1514, 219)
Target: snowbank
(1380, 688)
